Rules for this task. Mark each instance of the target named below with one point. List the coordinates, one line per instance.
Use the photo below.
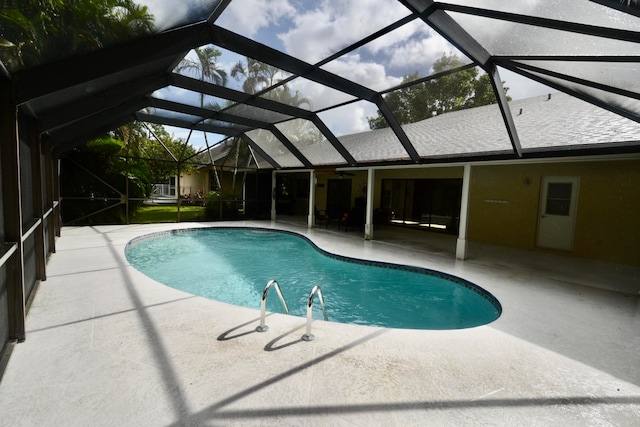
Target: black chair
(320, 218)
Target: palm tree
(208, 70)
(254, 79)
(284, 95)
(257, 75)
(206, 66)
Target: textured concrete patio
(108, 346)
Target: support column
(312, 199)
(127, 220)
(179, 200)
(49, 183)
(57, 209)
(273, 196)
(368, 224)
(12, 210)
(461, 244)
(37, 194)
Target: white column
(368, 225)
(273, 196)
(312, 198)
(461, 245)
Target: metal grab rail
(263, 304)
(308, 336)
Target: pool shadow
(271, 347)
(225, 335)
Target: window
(559, 198)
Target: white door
(558, 203)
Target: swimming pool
(233, 264)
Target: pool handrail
(308, 336)
(263, 304)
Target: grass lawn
(167, 213)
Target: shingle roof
(481, 130)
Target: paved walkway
(108, 346)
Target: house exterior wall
(200, 180)
(194, 182)
(505, 201)
(504, 207)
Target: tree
(206, 67)
(35, 32)
(165, 155)
(451, 92)
(93, 179)
(257, 75)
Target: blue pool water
(234, 264)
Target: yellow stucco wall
(199, 180)
(504, 205)
(194, 182)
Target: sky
(313, 30)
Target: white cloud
(349, 119)
(247, 17)
(399, 36)
(335, 24)
(167, 15)
(521, 87)
(420, 54)
(369, 74)
(320, 96)
(412, 47)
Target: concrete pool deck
(108, 346)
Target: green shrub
(221, 206)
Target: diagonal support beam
(334, 141)
(236, 96)
(97, 103)
(93, 125)
(447, 27)
(151, 118)
(36, 82)
(260, 151)
(285, 141)
(503, 103)
(395, 126)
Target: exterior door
(558, 204)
